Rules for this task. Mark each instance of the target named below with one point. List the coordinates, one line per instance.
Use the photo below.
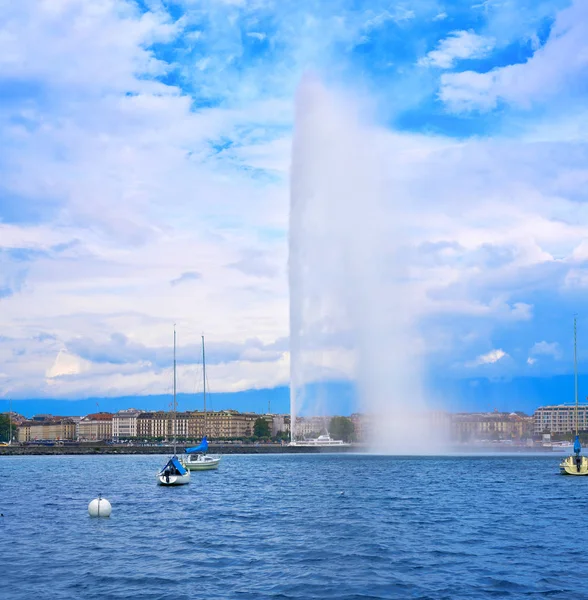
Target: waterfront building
(230, 424)
(124, 424)
(97, 426)
(311, 426)
(490, 426)
(560, 418)
(216, 425)
(162, 425)
(279, 424)
(47, 429)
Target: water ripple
(278, 527)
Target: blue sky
(144, 181)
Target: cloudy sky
(145, 150)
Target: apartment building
(560, 418)
(163, 425)
(94, 427)
(124, 424)
(491, 426)
(47, 429)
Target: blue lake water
(278, 527)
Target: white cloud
(459, 45)
(546, 349)
(553, 70)
(257, 35)
(66, 364)
(489, 358)
(531, 361)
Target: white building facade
(124, 424)
(560, 418)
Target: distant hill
(470, 395)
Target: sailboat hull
(201, 463)
(173, 479)
(569, 466)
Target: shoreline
(98, 448)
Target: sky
(145, 152)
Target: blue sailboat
(196, 458)
(174, 472)
(575, 464)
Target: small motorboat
(174, 473)
(196, 458)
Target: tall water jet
(352, 309)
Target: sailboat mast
(204, 382)
(10, 420)
(575, 378)
(175, 405)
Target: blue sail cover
(174, 462)
(577, 445)
(203, 447)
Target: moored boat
(562, 447)
(575, 464)
(174, 472)
(196, 458)
(320, 441)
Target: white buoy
(99, 507)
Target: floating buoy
(99, 507)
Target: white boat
(575, 464)
(174, 472)
(196, 458)
(562, 447)
(320, 441)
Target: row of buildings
(135, 424)
(230, 424)
(461, 427)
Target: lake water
(277, 526)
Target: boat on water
(562, 447)
(196, 458)
(575, 464)
(322, 441)
(174, 472)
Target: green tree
(261, 428)
(5, 428)
(342, 428)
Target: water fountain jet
(350, 290)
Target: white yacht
(324, 440)
(562, 447)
